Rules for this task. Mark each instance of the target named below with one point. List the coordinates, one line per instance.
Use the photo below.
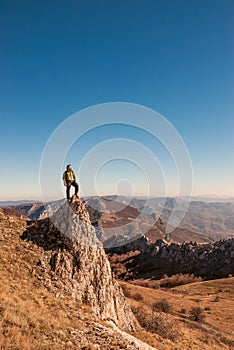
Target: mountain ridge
(203, 222)
(146, 259)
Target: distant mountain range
(121, 219)
(123, 199)
(213, 220)
(14, 203)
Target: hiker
(69, 179)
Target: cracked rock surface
(73, 261)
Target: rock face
(211, 260)
(73, 261)
(142, 244)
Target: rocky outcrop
(73, 261)
(142, 244)
(211, 260)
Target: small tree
(162, 305)
(156, 322)
(137, 296)
(197, 314)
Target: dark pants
(74, 184)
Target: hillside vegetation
(194, 316)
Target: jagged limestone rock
(208, 260)
(74, 260)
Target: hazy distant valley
(120, 219)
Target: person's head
(69, 167)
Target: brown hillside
(35, 313)
(215, 299)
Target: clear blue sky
(60, 56)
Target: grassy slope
(215, 332)
(32, 317)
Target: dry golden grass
(31, 316)
(32, 319)
(215, 332)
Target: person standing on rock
(69, 179)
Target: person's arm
(64, 178)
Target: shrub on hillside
(165, 327)
(162, 305)
(177, 280)
(197, 314)
(137, 296)
(156, 323)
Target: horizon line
(223, 196)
